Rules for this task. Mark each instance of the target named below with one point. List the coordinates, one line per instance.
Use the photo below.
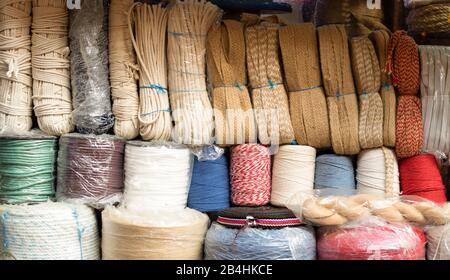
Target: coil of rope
(334, 175)
(435, 90)
(380, 40)
(122, 73)
(48, 231)
(189, 23)
(308, 106)
(51, 67)
(339, 88)
(150, 22)
(421, 3)
(429, 18)
(269, 97)
(155, 235)
(15, 66)
(438, 242)
(233, 114)
(27, 169)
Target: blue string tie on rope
(156, 111)
(80, 231)
(159, 88)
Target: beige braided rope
(308, 106)
(51, 67)
(269, 96)
(234, 117)
(430, 18)
(15, 65)
(340, 90)
(122, 74)
(366, 74)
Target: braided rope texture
(430, 18)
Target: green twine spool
(27, 170)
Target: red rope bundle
(404, 67)
(388, 242)
(250, 175)
(420, 176)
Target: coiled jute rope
(122, 71)
(48, 231)
(429, 18)
(308, 106)
(339, 88)
(233, 112)
(189, 23)
(380, 40)
(51, 67)
(15, 65)
(366, 71)
(421, 3)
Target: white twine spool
(48, 231)
(156, 176)
(292, 173)
(438, 247)
(377, 173)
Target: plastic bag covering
(371, 240)
(290, 243)
(90, 169)
(154, 235)
(89, 67)
(438, 247)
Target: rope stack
(90, 169)
(155, 235)
(366, 72)
(429, 18)
(334, 175)
(122, 74)
(403, 66)
(250, 175)
(233, 114)
(15, 66)
(340, 90)
(435, 90)
(438, 242)
(48, 231)
(189, 23)
(51, 67)
(307, 101)
(27, 169)
(269, 97)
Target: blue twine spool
(334, 175)
(210, 187)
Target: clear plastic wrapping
(438, 246)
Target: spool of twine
(339, 88)
(308, 107)
(438, 242)
(429, 18)
(156, 235)
(90, 169)
(250, 175)
(334, 175)
(15, 66)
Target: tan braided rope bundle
(122, 74)
(339, 88)
(308, 106)
(380, 40)
(233, 112)
(51, 67)
(15, 65)
(430, 18)
(366, 71)
(269, 97)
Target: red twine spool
(250, 175)
(388, 242)
(420, 176)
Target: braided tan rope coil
(308, 106)
(367, 79)
(122, 74)
(269, 96)
(51, 67)
(339, 88)
(233, 112)
(15, 65)
(430, 18)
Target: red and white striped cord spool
(250, 175)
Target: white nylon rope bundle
(377, 173)
(48, 231)
(15, 65)
(51, 67)
(189, 23)
(292, 173)
(150, 45)
(156, 176)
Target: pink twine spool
(250, 175)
